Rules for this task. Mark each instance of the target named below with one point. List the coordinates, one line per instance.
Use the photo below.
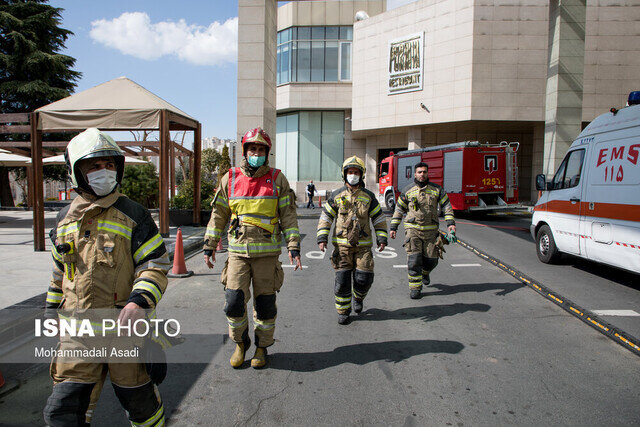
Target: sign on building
(405, 64)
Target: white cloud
(133, 33)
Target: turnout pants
(351, 263)
(266, 276)
(422, 256)
(77, 386)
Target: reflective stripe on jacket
(110, 253)
(264, 205)
(420, 205)
(352, 208)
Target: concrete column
(563, 113)
(257, 69)
(414, 138)
(537, 158)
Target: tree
(33, 72)
(210, 162)
(225, 163)
(140, 184)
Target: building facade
(442, 71)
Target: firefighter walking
(107, 254)
(419, 201)
(352, 207)
(258, 203)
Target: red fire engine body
(475, 176)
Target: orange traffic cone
(179, 267)
(219, 248)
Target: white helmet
(90, 144)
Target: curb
(626, 340)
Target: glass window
(559, 177)
(286, 35)
(294, 61)
(317, 33)
(331, 62)
(332, 145)
(384, 169)
(304, 62)
(309, 146)
(574, 169)
(303, 55)
(345, 61)
(284, 75)
(287, 145)
(331, 33)
(317, 61)
(304, 33)
(346, 33)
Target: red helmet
(256, 136)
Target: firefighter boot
(343, 317)
(237, 358)
(357, 305)
(415, 293)
(259, 359)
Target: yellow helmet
(353, 162)
(91, 143)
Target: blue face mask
(256, 161)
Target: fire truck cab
(475, 176)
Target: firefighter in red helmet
(259, 206)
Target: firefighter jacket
(106, 252)
(420, 204)
(352, 210)
(260, 207)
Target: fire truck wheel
(390, 201)
(546, 246)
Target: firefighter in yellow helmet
(352, 207)
(107, 254)
(257, 202)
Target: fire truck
(475, 176)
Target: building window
(314, 54)
(310, 145)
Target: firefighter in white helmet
(108, 255)
(352, 207)
(419, 201)
(259, 205)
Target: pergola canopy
(119, 104)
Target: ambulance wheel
(546, 246)
(390, 201)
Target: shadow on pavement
(27, 223)
(361, 354)
(515, 226)
(503, 288)
(428, 313)
(180, 378)
(608, 272)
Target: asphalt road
(478, 349)
(591, 285)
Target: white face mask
(103, 181)
(353, 179)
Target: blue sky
(184, 52)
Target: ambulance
(591, 207)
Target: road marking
(291, 266)
(388, 253)
(400, 266)
(627, 313)
(315, 254)
(466, 265)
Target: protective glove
(451, 237)
(155, 361)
